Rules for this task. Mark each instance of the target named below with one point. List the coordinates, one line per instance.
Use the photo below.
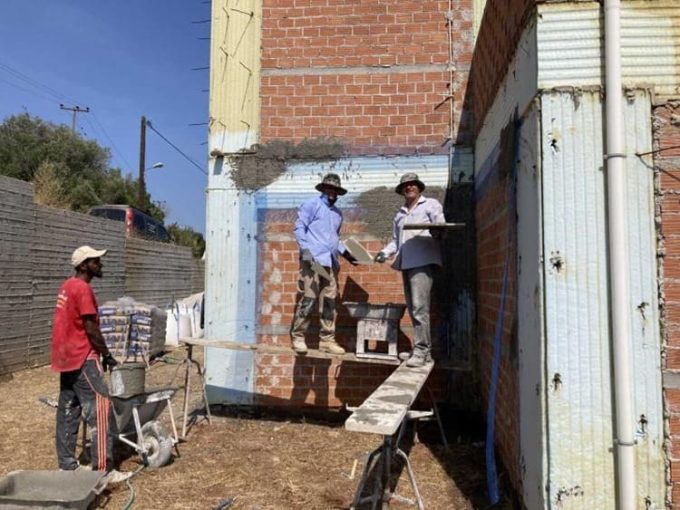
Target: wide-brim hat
(83, 253)
(331, 181)
(407, 178)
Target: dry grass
(264, 462)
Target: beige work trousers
(315, 289)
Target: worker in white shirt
(417, 257)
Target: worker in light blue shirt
(317, 231)
(417, 256)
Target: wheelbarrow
(138, 426)
(53, 490)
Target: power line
(148, 123)
(34, 92)
(100, 127)
(43, 89)
(35, 83)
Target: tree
(65, 164)
(71, 172)
(186, 236)
(48, 188)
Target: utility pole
(75, 109)
(141, 189)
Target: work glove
(350, 258)
(380, 258)
(307, 256)
(109, 362)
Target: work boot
(405, 355)
(331, 347)
(114, 476)
(299, 345)
(418, 359)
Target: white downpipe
(618, 261)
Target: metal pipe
(624, 444)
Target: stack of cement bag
(132, 330)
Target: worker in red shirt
(79, 354)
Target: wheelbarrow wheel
(157, 443)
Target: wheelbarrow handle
(100, 485)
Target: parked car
(137, 222)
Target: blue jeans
(417, 288)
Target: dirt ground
(263, 460)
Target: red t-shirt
(70, 344)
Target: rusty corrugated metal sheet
(16, 225)
(644, 303)
(578, 387)
(570, 45)
(578, 358)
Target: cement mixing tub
(20, 490)
(387, 311)
(377, 328)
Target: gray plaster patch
(263, 164)
(379, 206)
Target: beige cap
(85, 252)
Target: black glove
(307, 256)
(350, 258)
(109, 362)
(380, 258)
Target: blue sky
(122, 59)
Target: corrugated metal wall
(578, 362)
(570, 45)
(36, 243)
(530, 339)
(231, 260)
(16, 232)
(57, 233)
(158, 273)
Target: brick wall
(328, 382)
(374, 74)
(499, 33)
(496, 248)
(495, 219)
(667, 162)
(371, 72)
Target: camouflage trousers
(314, 289)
